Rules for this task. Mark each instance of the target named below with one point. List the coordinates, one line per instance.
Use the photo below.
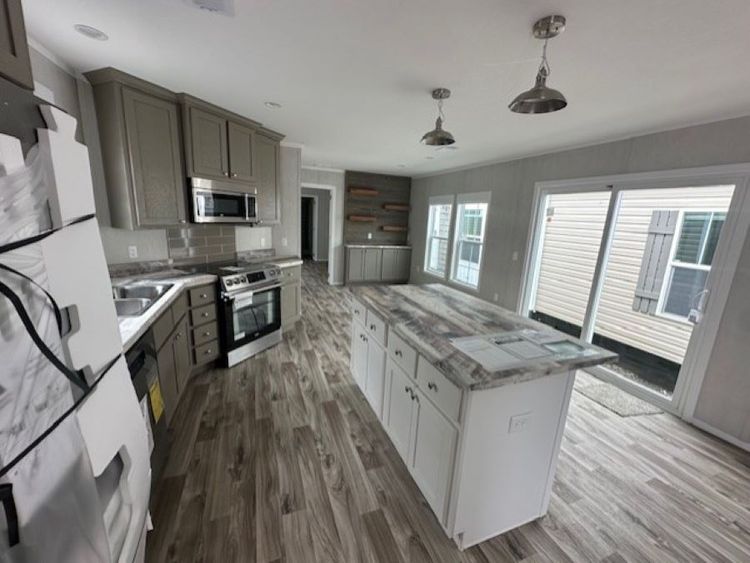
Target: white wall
(512, 186)
(334, 178)
(322, 217)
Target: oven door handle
(248, 294)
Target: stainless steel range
(250, 311)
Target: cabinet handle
(234, 174)
(207, 333)
(204, 314)
(207, 352)
(372, 327)
(182, 221)
(432, 385)
(225, 173)
(203, 295)
(178, 336)
(408, 390)
(398, 353)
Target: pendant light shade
(541, 98)
(438, 137)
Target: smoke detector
(223, 7)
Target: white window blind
(438, 233)
(471, 224)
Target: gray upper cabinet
(139, 128)
(241, 152)
(14, 50)
(209, 145)
(267, 159)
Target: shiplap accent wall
(391, 189)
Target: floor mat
(617, 400)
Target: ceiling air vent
(224, 7)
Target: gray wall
(322, 210)
(512, 187)
(286, 235)
(334, 178)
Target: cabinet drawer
(358, 311)
(202, 295)
(376, 327)
(202, 315)
(206, 352)
(205, 333)
(438, 389)
(291, 274)
(179, 307)
(162, 328)
(403, 355)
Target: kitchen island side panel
(505, 475)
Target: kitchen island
(473, 397)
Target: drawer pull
(203, 295)
(207, 352)
(432, 385)
(207, 333)
(178, 336)
(204, 314)
(372, 327)
(398, 353)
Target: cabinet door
(290, 305)
(373, 261)
(388, 269)
(403, 264)
(181, 348)
(355, 264)
(434, 452)
(267, 162)
(208, 133)
(399, 418)
(14, 50)
(374, 386)
(241, 152)
(154, 145)
(167, 379)
(359, 355)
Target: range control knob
(243, 279)
(229, 282)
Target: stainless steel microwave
(217, 203)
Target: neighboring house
(645, 303)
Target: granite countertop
(428, 316)
(132, 328)
(364, 245)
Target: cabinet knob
(207, 352)
(225, 173)
(432, 385)
(178, 335)
(207, 333)
(204, 315)
(398, 353)
(372, 327)
(234, 174)
(183, 221)
(203, 295)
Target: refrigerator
(74, 452)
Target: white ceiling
(354, 76)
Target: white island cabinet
(484, 454)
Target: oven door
(250, 315)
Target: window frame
(436, 201)
(479, 198)
(672, 263)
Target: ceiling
(354, 76)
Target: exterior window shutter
(655, 259)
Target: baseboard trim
(720, 434)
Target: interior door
(630, 267)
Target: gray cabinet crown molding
(193, 101)
(109, 74)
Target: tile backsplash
(201, 243)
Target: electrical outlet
(369, 236)
(515, 256)
(263, 241)
(132, 251)
(283, 241)
(519, 423)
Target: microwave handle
(247, 207)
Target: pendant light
(439, 137)
(541, 99)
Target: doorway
(628, 263)
(307, 225)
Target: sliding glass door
(629, 267)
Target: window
(688, 269)
(471, 221)
(438, 231)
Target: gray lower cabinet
(209, 145)
(14, 50)
(376, 264)
(291, 296)
(173, 354)
(396, 264)
(268, 152)
(139, 128)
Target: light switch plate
(519, 423)
(369, 236)
(132, 251)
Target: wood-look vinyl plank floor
(281, 459)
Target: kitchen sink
(134, 299)
(132, 306)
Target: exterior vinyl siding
(571, 244)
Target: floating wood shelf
(362, 218)
(394, 228)
(366, 192)
(396, 206)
